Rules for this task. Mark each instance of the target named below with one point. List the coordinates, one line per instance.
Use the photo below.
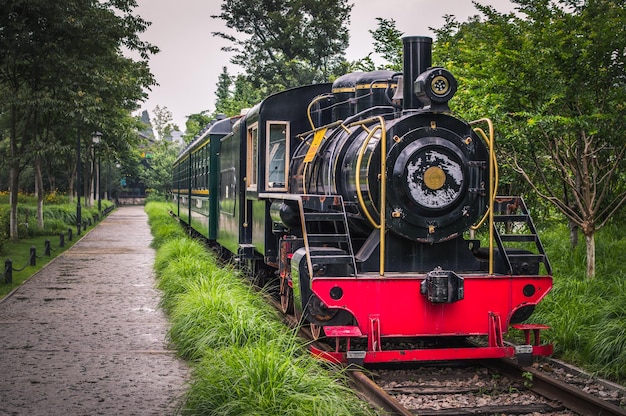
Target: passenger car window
(252, 159)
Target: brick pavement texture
(85, 335)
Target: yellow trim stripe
(378, 85)
(344, 89)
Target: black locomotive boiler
(364, 198)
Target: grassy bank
(245, 362)
(587, 316)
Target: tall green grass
(267, 379)
(217, 312)
(587, 316)
(245, 361)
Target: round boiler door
(434, 177)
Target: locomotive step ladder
(512, 212)
(324, 224)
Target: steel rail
(571, 397)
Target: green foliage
(57, 219)
(388, 44)
(238, 93)
(307, 42)
(162, 122)
(217, 311)
(5, 212)
(164, 227)
(552, 76)
(176, 247)
(155, 171)
(587, 316)
(195, 124)
(64, 76)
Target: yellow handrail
(383, 181)
(493, 183)
(313, 101)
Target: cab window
(277, 155)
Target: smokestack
(417, 59)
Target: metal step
(328, 238)
(324, 216)
(510, 218)
(332, 259)
(519, 237)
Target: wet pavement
(85, 335)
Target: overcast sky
(191, 59)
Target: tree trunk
(14, 185)
(39, 192)
(14, 175)
(70, 187)
(573, 233)
(591, 255)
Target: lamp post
(95, 138)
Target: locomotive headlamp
(435, 87)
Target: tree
(242, 95)
(194, 125)
(388, 44)
(286, 43)
(162, 122)
(156, 171)
(61, 65)
(555, 76)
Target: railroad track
(481, 388)
(492, 387)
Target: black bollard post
(33, 256)
(47, 248)
(61, 240)
(69, 234)
(8, 271)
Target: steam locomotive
(376, 210)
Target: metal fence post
(33, 256)
(47, 249)
(61, 240)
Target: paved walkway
(85, 335)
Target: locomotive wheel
(316, 331)
(286, 296)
